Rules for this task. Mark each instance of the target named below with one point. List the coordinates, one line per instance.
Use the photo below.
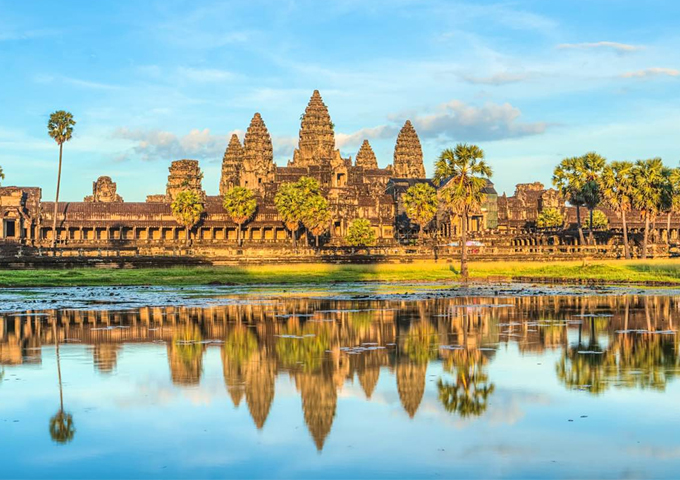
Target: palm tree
(2, 174)
(240, 204)
(567, 179)
(187, 208)
(464, 192)
(592, 166)
(290, 202)
(420, 202)
(62, 428)
(316, 216)
(60, 128)
(648, 180)
(616, 185)
(671, 200)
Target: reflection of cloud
(617, 47)
(497, 449)
(652, 72)
(657, 452)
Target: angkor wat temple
(355, 188)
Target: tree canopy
(360, 233)
(60, 126)
(550, 218)
(187, 208)
(420, 201)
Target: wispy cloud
(76, 82)
(205, 75)
(501, 78)
(617, 47)
(652, 72)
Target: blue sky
(150, 82)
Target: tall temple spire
(317, 139)
(258, 155)
(231, 165)
(408, 154)
(366, 157)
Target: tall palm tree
(62, 428)
(2, 174)
(671, 197)
(60, 128)
(649, 181)
(568, 180)
(463, 194)
(592, 166)
(420, 202)
(616, 185)
(240, 204)
(187, 208)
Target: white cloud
(652, 72)
(617, 47)
(76, 82)
(460, 121)
(355, 139)
(161, 145)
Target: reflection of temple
(315, 341)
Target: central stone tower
(258, 156)
(317, 138)
(408, 154)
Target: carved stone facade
(408, 154)
(104, 191)
(317, 137)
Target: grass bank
(615, 271)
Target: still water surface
(339, 383)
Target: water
(345, 382)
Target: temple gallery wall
(355, 188)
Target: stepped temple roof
(408, 154)
(366, 157)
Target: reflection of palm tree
(62, 428)
(185, 354)
(469, 395)
(237, 351)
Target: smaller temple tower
(104, 191)
(231, 165)
(366, 157)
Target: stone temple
(356, 188)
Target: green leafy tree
(599, 219)
(616, 185)
(316, 216)
(649, 180)
(420, 202)
(290, 201)
(550, 218)
(464, 192)
(240, 204)
(360, 233)
(593, 164)
(60, 128)
(187, 208)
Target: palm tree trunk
(187, 236)
(590, 227)
(463, 249)
(56, 344)
(668, 229)
(646, 237)
(238, 235)
(421, 234)
(316, 240)
(626, 247)
(56, 202)
(581, 240)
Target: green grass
(614, 271)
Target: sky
(530, 82)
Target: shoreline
(657, 273)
